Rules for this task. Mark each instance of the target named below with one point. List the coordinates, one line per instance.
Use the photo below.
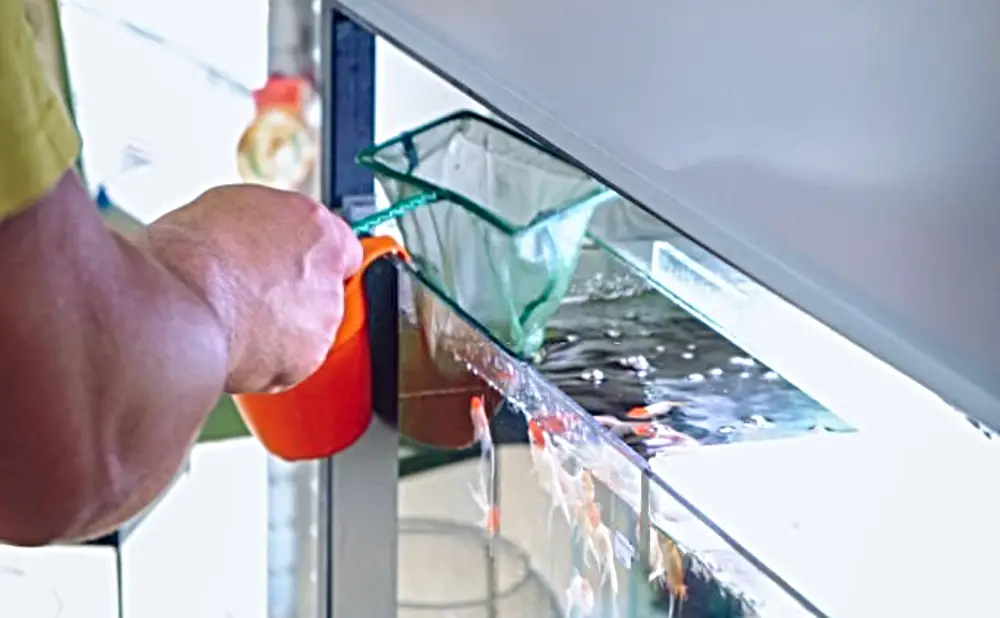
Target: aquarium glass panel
(517, 499)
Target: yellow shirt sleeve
(38, 142)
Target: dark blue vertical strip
(348, 70)
(349, 116)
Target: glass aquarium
(526, 482)
(663, 436)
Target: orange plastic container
(332, 408)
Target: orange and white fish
(480, 422)
(549, 469)
(624, 429)
(482, 492)
(657, 562)
(579, 596)
(599, 544)
(653, 410)
(646, 431)
(674, 566)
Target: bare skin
(113, 353)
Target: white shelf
(859, 527)
(63, 582)
(843, 155)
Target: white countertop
(860, 527)
(58, 582)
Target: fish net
(465, 582)
(489, 218)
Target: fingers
(351, 253)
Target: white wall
(408, 95)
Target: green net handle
(400, 208)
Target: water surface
(635, 348)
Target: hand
(272, 265)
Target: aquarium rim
(369, 158)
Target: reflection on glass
(583, 528)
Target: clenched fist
(272, 265)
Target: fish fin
(479, 496)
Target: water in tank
(552, 509)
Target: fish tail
(491, 521)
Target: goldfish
(482, 492)
(666, 567)
(480, 422)
(490, 522)
(589, 488)
(657, 562)
(645, 431)
(579, 596)
(624, 429)
(674, 566)
(599, 544)
(549, 469)
(653, 410)
(557, 423)
(657, 435)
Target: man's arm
(109, 364)
(108, 367)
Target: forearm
(118, 365)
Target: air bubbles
(757, 421)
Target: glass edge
(368, 158)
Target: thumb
(351, 254)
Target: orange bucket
(328, 411)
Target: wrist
(201, 273)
